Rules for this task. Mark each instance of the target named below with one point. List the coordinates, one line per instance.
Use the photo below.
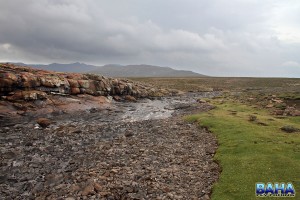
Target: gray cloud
(218, 37)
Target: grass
(278, 85)
(250, 152)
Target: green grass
(249, 152)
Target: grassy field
(225, 84)
(251, 151)
(252, 146)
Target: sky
(215, 37)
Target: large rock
(44, 122)
(29, 80)
(15, 79)
(73, 83)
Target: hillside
(114, 70)
(143, 71)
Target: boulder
(75, 90)
(51, 81)
(84, 84)
(44, 122)
(29, 80)
(73, 83)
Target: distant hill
(142, 71)
(73, 67)
(115, 70)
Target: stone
(289, 111)
(84, 84)
(128, 134)
(103, 100)
(75, 90)
(279, 101)
(89, 189)
(44, 122)
(18, 106)
(201, 101)
(289, 129)
(74, 188)
(52, 81)
(269, 106)
(27, 95)
(130, 98)
(278, 112)
(117, 98)
(34, 95)
(98, 187)
(73, 83)
(70, 198)
(296, 113)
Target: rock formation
(24, 83)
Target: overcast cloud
(216, 37)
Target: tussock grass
(249, 152)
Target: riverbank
(112, 154)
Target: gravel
(83, 159)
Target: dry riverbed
(130, 151)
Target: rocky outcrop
(24, 83)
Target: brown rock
(29, 80)
(27, 95)
(6, 83)
(89, 189)
(115, 82)
(52, 81)
(296, 113)
(130, 98)
(75, 91)
(73, 83)
(84, 83)
(117, 98)
(34, 95)
(89, 91)
(98, 187)
(103, 99)
(44, 122)
(18, 106)
(10, 76)
(289, 111)
(278, 112)
(74, 188)
(15, 96)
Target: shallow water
(160, 108)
